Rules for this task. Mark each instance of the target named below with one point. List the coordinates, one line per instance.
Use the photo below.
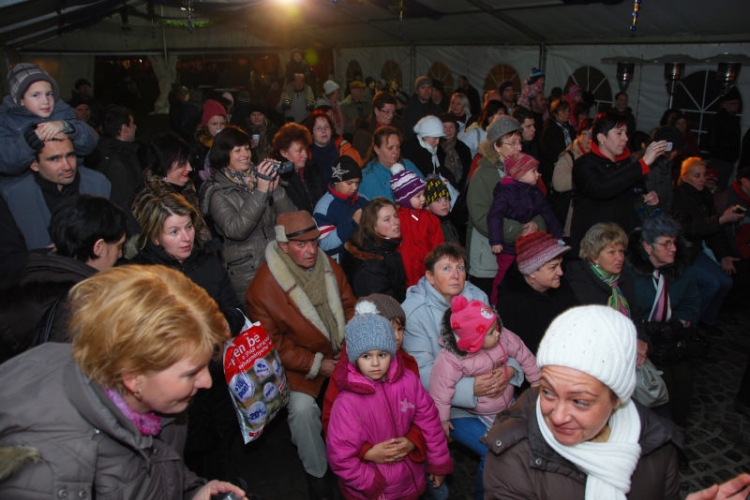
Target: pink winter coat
(452, 364)
(370, 411)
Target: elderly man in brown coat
(303, 299)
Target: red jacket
(420, 232)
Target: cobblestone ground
(717, 444)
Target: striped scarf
(617, 300)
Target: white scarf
(608, 465)
(433, 151)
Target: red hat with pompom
(470, 321)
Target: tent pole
(542, 57)
(163, 34)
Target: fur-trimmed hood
(288, 284)
(638, 261)
(352, 380)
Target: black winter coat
(696, 212)
(205, 269)
(121, 162)
(413, 150)
(305, 195)
(605, 191)
(375, 269)
(528, 312)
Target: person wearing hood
(213, 121)
(609, 182)
(665, 294)
(423, 148)
(339, 211)
(33, 113)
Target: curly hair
(288, 134)
(598, 237)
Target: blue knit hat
(405, 184)
(368, 331)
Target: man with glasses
(303, 299)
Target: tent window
(592, 80)
(440, 71)
(500, 73)
(392, 71)
(697, 96)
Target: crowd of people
(428, 270)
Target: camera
(281, 167)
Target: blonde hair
(154, 210)
(141, 319)
(688, 163)
(600, 236)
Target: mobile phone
(669, 147)
(740, 209)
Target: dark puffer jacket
(520, 465)
(375, 269)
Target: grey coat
(245, 220)
(84, 446)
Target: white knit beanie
(596, 340)
(429, 126)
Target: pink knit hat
(536, 249)
(517, 164)
(212, 108)
(470, 321)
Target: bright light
(288, 2)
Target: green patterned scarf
(617, 300)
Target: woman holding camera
(242, 201)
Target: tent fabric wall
(647, 92)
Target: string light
(636, 8)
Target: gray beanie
(502, 126)
(22, 75)
(368, 331)
(596, 340)
(421, 81)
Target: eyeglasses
(321, 129)
(513, 144)
(667, 244)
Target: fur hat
(536, 249)
(405, 184)
(429, 126)
(212, 108)
(368, 331)
(298, 226)
(596, 340)
(344, 169)
(435, 189)
(501, 127)
(422, 81)
(329, 87)
(386, 306)
(516, 165)
(470, 321)
(22, 75)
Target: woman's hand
(50, 130)
(437, 480)
(651, 198)
(727, 265)
(264, 185)
(734, 489)
(529, 227)
(642, 348)
(496, 249)
(731, 215)
(390, 451)
(447, 427)
(653, 151)
(216, 487)
(492, 384)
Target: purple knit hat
(536, 249)
(405, 184)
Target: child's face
(347, 187)
(417, 201)
(39, 99)
(398, 333)
(492, 337)
(440, 207)
(530, 177)
(374, 364)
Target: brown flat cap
(298, 226)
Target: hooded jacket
(333, 214)
(245, 221)
(84, 446)
(421, 231)
(297, 331)
(521, 465)
(684, 298)
(383, 410)
(453, 364)
(15, 121)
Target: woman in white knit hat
(579, 435)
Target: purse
(650, 388)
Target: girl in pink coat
(379, 400)
(474, 343)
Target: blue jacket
(16, 154)
(26, 202)
(333, 213)
(376, 179)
